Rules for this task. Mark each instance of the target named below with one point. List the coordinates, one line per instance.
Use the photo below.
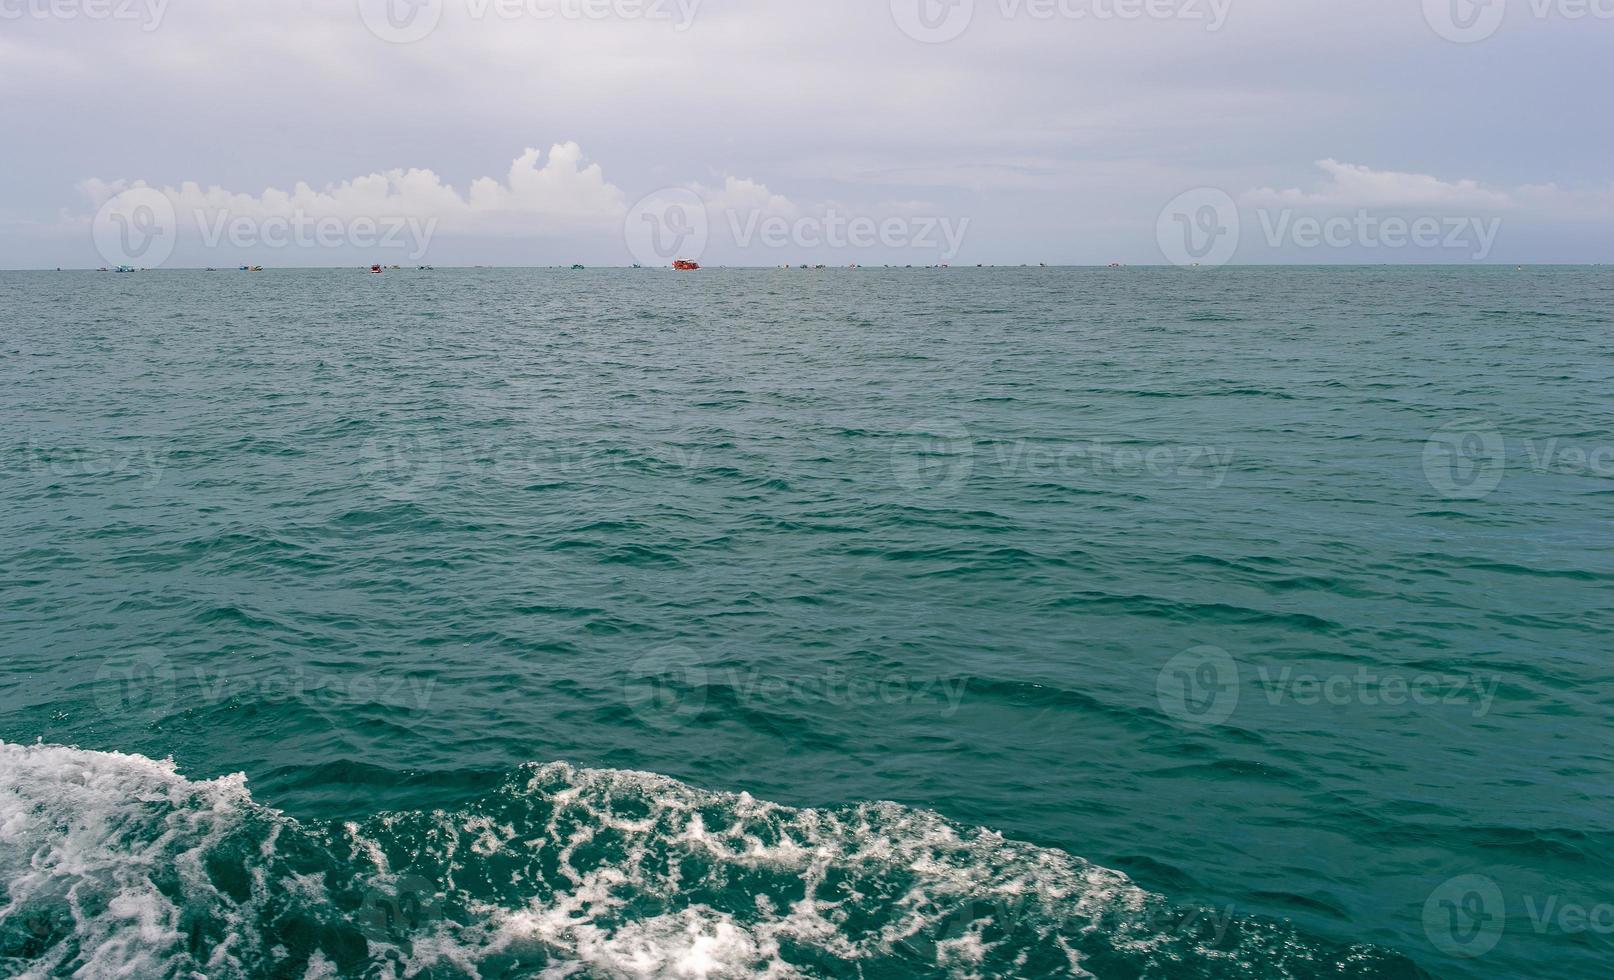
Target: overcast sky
(758, 132)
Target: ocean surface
(844, 623)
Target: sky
(188, 133)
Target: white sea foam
(117, 866)
(115, 846)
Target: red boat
(686, 265)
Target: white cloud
(1356, 186)
(565, 187)
(742, 195)
(563, 193)
(1353, 185)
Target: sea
(874, 623)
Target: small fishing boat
(375, 270)
(687, 265)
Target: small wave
(116, 865)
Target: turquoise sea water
(1232, 623)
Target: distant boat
(687, 265)
(576, 266)
(375, 270)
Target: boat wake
(116, 865)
